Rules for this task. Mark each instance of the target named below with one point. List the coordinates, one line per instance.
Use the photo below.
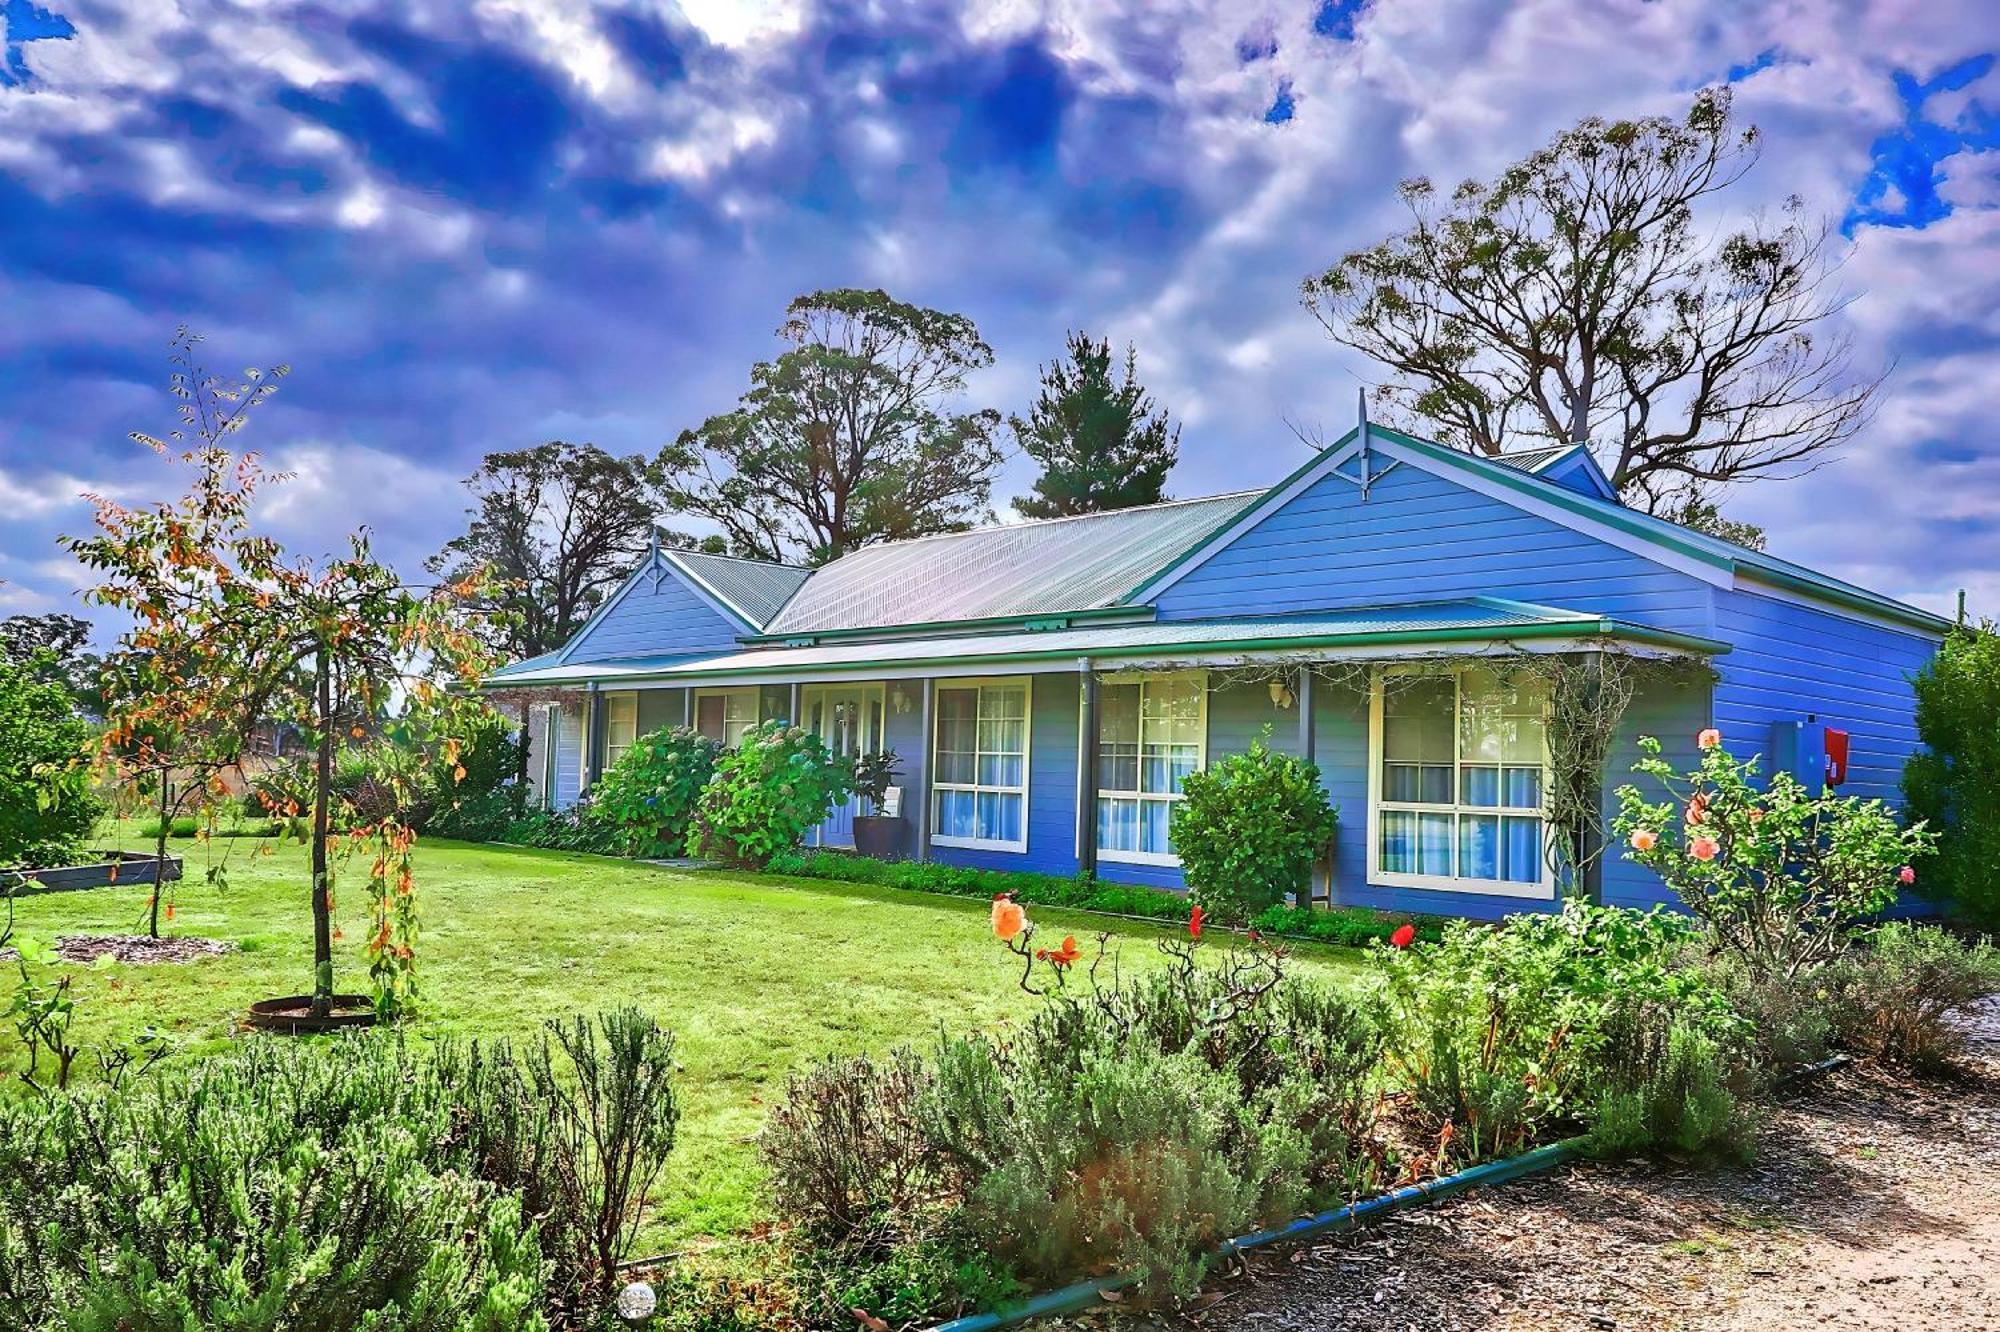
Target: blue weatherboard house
(1046, 685)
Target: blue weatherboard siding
(1791, 661)
(650, 616)
(1420, 537)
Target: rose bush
(1779, 876)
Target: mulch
(87, 948)
(1872, 1201)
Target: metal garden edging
(1083, 1294)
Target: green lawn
(755, 974)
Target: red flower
(1906, 874)
(1194, 922)
(1061, 957)
(1404, 936)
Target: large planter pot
(876, 837)
(293, 1015)
(103, 869)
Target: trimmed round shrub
(779, 782)
(1248, 830)
(649, 794)
(47, 808)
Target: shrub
(648, 796)
(276, 1186)
(47, 808)
(1896, 993)
(1953, 781)
(765, 794)
(1788, 1019)
(1674, 1094)
(485, 817)
(570, 829)
(847, 1156)
(582, 1139)
(1501, 1033)
(1138, 1127)
(1249, 829)
(356, 1183)
(1778, 877)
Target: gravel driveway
(1873, 1202)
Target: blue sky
(480, 225)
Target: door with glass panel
(1458, 783)
(848, 718)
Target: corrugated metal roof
(1533, 460)
(1406, 625)
(1049, 567)
(753, 588)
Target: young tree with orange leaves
(232, 632)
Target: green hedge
(1336, 925)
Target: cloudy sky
(483, 224)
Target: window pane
(999, 816)
(1005, 702)
(1434, 844)
(1501, 721)
(1416, 719)
(1521, 850)
(1117, 824)
(1154, 816)
(999, 770)
(1479, 786)
(1399, 842)
(1521, 788)
(1118, 738)
(955, 813)
(1479, 846)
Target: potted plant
(879, 832)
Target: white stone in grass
(636, 1302)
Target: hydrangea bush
(1779, 876)
(649, 794)
(779, 782)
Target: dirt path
(1873, 1203)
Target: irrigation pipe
(1083, 1294)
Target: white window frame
(583, 744)
(1099, 794)
(756, 696)
(1544, 890)
(1027, 685)
(614, 703)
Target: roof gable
(1571, 466)
(1054, 567)
(658, 608)
(751, 590)
(1358, 457)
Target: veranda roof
(1373, 631)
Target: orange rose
(1644, 839)
(1704, 848)
(1009, 918)
(1709, 738)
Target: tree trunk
(160, 852)
(322, 1002)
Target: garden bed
(105, 869)
(1873, 1201)
(140, 948)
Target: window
(1457, 785)
(980, 791)
(1151, 733)
(551, 748)
(725, 714)
(621, 726)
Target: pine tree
(1102, 443)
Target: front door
(849, 719)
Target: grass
(756, 974)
